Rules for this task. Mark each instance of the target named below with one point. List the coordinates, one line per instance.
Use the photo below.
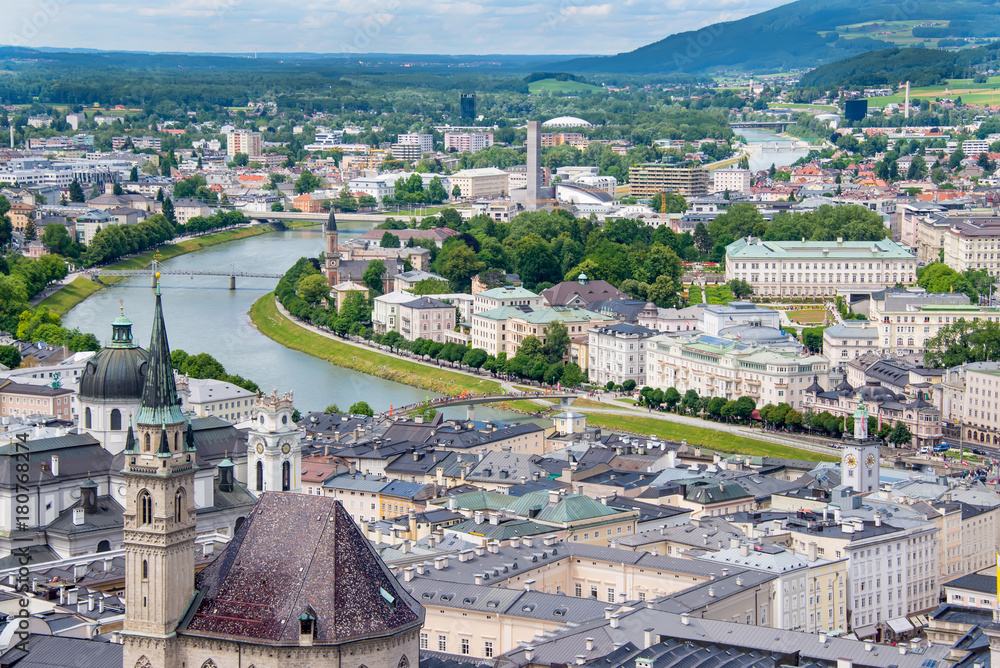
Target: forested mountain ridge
(921, 67)
(800, 34)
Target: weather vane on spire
(121, 306)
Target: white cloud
(403, 26)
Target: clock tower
(159, 514)
(274, 454)
(859, 467)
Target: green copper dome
(117, 371)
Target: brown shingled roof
(295, 553)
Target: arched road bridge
(471, 400)
(156, 267)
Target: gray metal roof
(57, 651)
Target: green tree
(314, 288)
(373, 277)
(277, 206)
(900, 435)
(812, 338)
(354, 310)
(10, 357)
(56, 238)
(715, 406)
(460, 265)
(556, 342)
(431, 286)
(475, 358)
(332, 408)
(76, 192)
(30, 231)
(690, 401)
(168, 211)
(307, 182)
(239, 160)
(572, 376)
(389, 240)
(361, 408)
(133, 176)
(671, 397)
(918, 168)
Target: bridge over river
(157, 268)
(470, 401)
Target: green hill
(804, 34)
(921, 67)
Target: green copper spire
(164, 450)
(130, 438)
(159, 404)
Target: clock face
(870, 460)
(285, 448)
(260, 448)
(852, 461)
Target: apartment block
(651, 179)
(467, 142)
(243, 141)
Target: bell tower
(274, 452)
(332, 251)
(159, 514)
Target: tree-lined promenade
(276, 323)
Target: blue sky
(363, 26)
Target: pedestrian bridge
(472, 400)
(233, 272)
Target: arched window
(104, 546)
(116, 420)
(404, 662)
(239, 522)
(86, 418)
(286, 476)
(145, 569)
(145, 507)
(143, 662)
(260, 476)
(145, 442)
(178, 505)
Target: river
(203, 315)
(779, 151)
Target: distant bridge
(341, 217)
(157, 268)
(471, 400)
(761, 124)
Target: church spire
(159, 404)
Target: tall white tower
(274, 451)
(859, 467)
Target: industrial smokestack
(906, 104)
(534, 148)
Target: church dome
(117, 372)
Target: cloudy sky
(363, 26)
